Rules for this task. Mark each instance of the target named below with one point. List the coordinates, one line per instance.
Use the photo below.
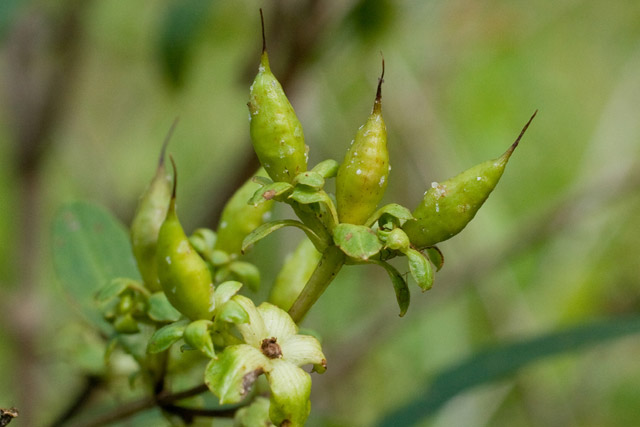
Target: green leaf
(436, 256)
(198, 335)
(90, 248)
(400, 213)
(306, 195)
(164, 337)
(160, 309)
(420, 269)
(246, 273)
(403, 296)
(111, 290)
(276, 190)
(232, 312)
(498, 362)
(310, 179)
(357, 241)
(327, 168)
(224, 291)
(267, 228)
(262, 180)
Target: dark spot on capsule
(348, 236)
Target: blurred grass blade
(495, 363)
(90, 248)
(180, 29)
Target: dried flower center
(270, 348)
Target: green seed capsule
(184, 276)
(238, 218)
(362, 176)
(276, 132)
(149, 216)
(447, 207)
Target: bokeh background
(89, 89)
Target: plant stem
(331, 262)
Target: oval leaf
(164, 337)
(436, 256)
(160, 309)
(310, 179)
(403, 296)
(357, 241)
(276, 190)
(420, 269)
(327, 168)
(394, 210)
(197, 335)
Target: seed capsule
(447, 207)
(184, 276)
(276, 132)
(238, 218)
(149, 216)
(362, 176)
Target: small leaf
(198, 335)
(267, 228)
(403, 296)
(327, 168)
(400, 213)
(246, 273)
(262, 180)
(203, 240)
(160, 309)
(274, 191)
(307, 195)
(224, 291)
(232, 312)
(112, 290)
(436, 256)
(164, 337)
(310, 179)
(357, 241)
(420, 269)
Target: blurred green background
(89, 89)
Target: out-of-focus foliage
(554, 247)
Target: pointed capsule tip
(264, 39)
(517, 141)
(167, 138)
(380, 81)
(175, 179)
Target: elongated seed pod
(149, 216)
(239, 218)
(295, 273)
(447, 207)
(184, 276)
(276, 132)
(362, 176)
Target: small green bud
(362, 176)
(398, 240)
(238, 218)
(447, 207)
(276, 132)
(184, 276)
(149, 216)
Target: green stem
(331, 262)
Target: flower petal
(231, 376)
(290, 390)
(277, 322)
(303, 349)
(254, 331)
